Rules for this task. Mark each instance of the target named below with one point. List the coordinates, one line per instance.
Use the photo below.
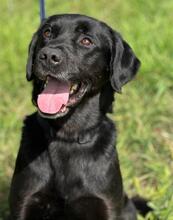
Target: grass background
(143, 113)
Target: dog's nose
(51, 55)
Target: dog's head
(74, 56)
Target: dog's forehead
(79, 23)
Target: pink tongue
(53, 97)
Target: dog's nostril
(43, 56)
(55, 59)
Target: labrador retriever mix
(67, 167)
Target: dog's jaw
(57, 98)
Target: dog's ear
(124, 63)
(29, 66)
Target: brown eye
(47, 33)
(86, 41)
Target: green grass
(143, 113)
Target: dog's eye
(47, 33)
(86, 42)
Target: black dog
(67, 167)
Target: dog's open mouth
(58, 96)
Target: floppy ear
(124, 63)
(29, 74)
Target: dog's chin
(57, 98)
(54, 116)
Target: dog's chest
(75, 169)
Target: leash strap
(42, 10)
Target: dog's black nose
(51, 56)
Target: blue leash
(42, 10)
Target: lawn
(143, 112)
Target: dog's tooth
(45, 84)
(63, 109)
(73, 88)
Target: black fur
(67, 168)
